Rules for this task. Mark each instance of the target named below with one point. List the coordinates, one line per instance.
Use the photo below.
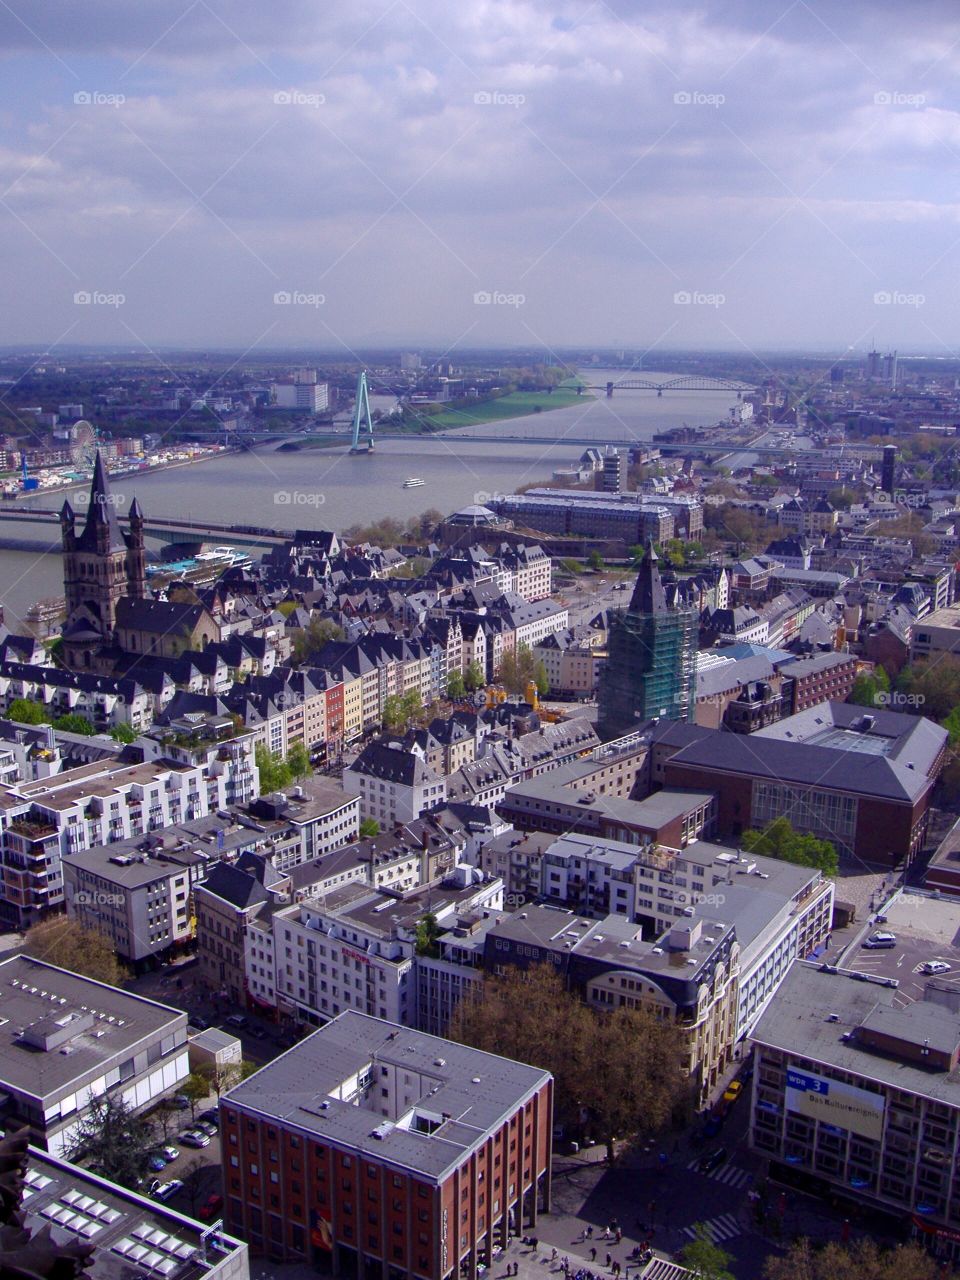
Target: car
(713, 1161)
(167, 1189)
(156, 1163)
(236, 1020)
(211, 1206)
(712, 1125)
(732, 1091)
(211, 1115)
(201, 1024)
(258, 1033)
(205, 1126)
(194, 1138)
(180, 1101)
(880, 942)
(882, 936)
(935, 966)
(169, 1153)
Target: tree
(25, 711)
(871, 690)
(780, 840)
(541, 679)
(196, 1089)
(313, 637)
(74, 723)
(114, 1140)
(369, 828)
(473, 677)
(411, 704)
(931, 688)
(706, 1259)
(123, 733)
(193, 1178)
(165, 1117)
(222, 1076)
(274, 773)
(428, 931)
(456, 688)
(595, 561)
(393, 716)
(518, 669)
(298, 761)
(861, 1260)
(69, 945)
(623, 1066)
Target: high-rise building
(100, 566)
(888, 473)
(874, 364)
(409, 362)
(890, 368)
(651, 658)
(613, 473)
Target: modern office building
(856, 1092)
(651, 658)
(375, 1151)
(68, 1039)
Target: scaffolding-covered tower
(650, 670)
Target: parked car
(201, 1024)
(258, 1033)
(936, 966)
(205, 1126)
(236, 1020)
(167, 1189)
(211, 1115)
(713, 1161)
(156, 1163)
(211, 1206)
(880, 941)
(169, 1153)
(180, 1101)
(194, 1138)
(732, 1091)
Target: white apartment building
(394, 784)
(311, 397)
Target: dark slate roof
(648, 594)
(392, 764)
(237, 887)
(101, 514)
(159, 616)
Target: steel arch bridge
(689, 382)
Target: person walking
(593, 1254)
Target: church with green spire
(650, 672)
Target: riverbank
(518, 404)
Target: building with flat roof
(857, 1093)
(66, 1039)
(133, 1237)
(371, 1150)
(936, 634)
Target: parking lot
(926, 930)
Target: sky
(743, 174)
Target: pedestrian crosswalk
(731, 1175)
(724, 1227)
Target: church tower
(100, 565)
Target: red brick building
(376, 1151)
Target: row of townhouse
(105, 701)
(44, 822)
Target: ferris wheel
(83, 449)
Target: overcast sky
(742, 174)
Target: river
(317, 489)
